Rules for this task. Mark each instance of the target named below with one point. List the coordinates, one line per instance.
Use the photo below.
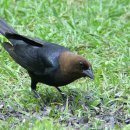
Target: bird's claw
(37, 95)
(64, 96)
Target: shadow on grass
(71, 97)
(78, 108)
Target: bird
(45, 62)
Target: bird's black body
(41, 62)
(42, 59)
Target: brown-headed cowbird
(45, 62)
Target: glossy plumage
(45, 62)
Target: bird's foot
(64, 96)
(37, 95)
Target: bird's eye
(81, 65)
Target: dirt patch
(65, 112)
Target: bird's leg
(37, 95)
(33, 87)
(59, 90)
(62, 94)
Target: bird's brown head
(75, 65)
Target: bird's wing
(31, 41)
(29, 58)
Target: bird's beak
(89, 73)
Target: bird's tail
(5, 28)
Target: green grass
(96, 29)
